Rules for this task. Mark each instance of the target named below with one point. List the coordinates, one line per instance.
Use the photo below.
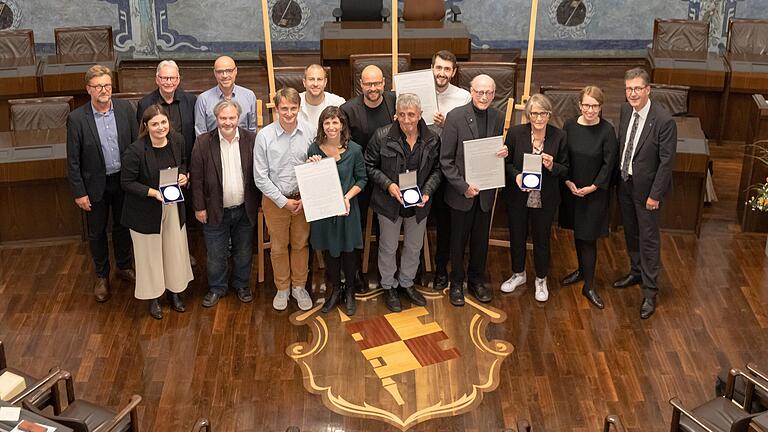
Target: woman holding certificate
(592, 151)
(339, 237)
(155, 218)
(538, 159)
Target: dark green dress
(339, 234)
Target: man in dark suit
(179, 104)
(470, 207)
(648, 143)
(97, 135)
(226, 201)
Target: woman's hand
(572, 187)
(547, 160)
(183, 180)
(315, 158)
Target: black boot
(361, 285)
(176, 302)
(332, 298)
(349, 299)
(155, 310)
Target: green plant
(758, 193)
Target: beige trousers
(290, 270)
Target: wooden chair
(93, 40)
(369, 237)
(32, 384)
(358, 62)
(17, 44)
(361, 10)
(721, 414)
(423, 10)
(680, 35)
(40, 113)
(292, 76)
(81, 415)
(202, 425)
(672, 97)
(565, 103)
(503, 73)
(747, 36)
(132, 97)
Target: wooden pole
(268, 49)
(529, 55)
(394, 41)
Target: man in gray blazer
(648, 143)
(97, 134)
(470, 207)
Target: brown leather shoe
(101, 289)
(127, 275)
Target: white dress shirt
(233, 187)
(643, 115)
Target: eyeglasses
(593, 107)
(372, 84)
(224, 71)
(167, 78)
(637, 89)
(543, 114)
(481, 93)
(101, 87)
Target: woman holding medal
(339, 237)
(530, 201)
(155, 218)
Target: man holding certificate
(470, 206)
(279, 148)
(402, 163)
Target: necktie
(630, 148)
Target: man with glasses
(648, 143)
(97, 134)
(470, 207)
(315, 99)
(225, 71)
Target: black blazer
(358, 122)
(460, 126)
(655, 152)
(518, 142)
(385, 160)
(140, 173)
(187, 108)
(85, 159)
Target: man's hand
(84, 203)
(503, 152)
(651, 204)
(202, 216)
(471, 192)
(438, 118)
(293, 206)
(154, 193)
(394, 192)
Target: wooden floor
(571, 364)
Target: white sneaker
(542, 294)
(515, 281)
(302, 298)
(280, 302)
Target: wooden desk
(65, 75)
(18, 79)
(7, 426)
(748, 74)
(34, 189)
(752, 170)
(421, 39)
(759, 423)
(704, 73)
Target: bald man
(314, 98)
(225, 72)
(470, 207)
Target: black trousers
(98, 219)
(442, 216)
(540, 222)
(469, 226)
(586, 251)
(641, 232)
(333, 265)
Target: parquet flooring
(571, 364)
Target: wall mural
(10, 15)
(717, 13)
(571, 18)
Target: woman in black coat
(533, 207)
(592, 150)
(157, 229)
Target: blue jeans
(235, 226)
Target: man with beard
(315, 99)
(448, 97)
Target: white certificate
(320, 189)
(482, 168)
(421, 83)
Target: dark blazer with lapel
(358, 121)
(655, 152)
(206, 178)
(518, 141)
(187, 108)
(140, 172)
(85, 159)
(460, 126)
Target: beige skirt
(162, 260)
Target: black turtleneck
(481, 117)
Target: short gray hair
(538, 99)
(637, 73)
(165, 63)
(227, 104)
(407, 100)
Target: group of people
(229, 169)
